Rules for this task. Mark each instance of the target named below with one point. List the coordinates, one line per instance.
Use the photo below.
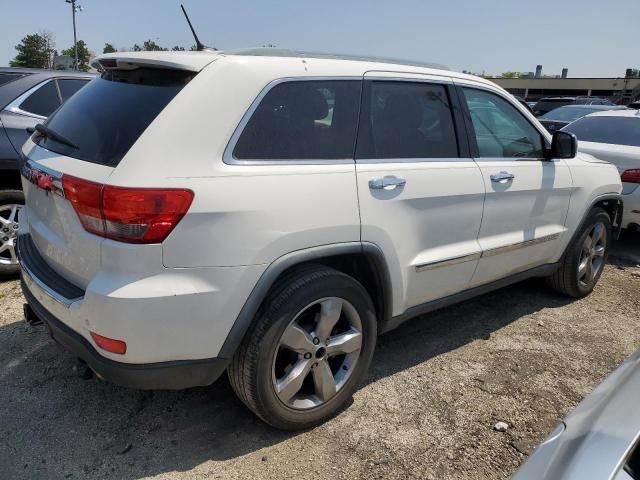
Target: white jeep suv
(270, 214)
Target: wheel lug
(5, 229)
(5, 239)
(307, 356)
(316, 340)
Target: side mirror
(563, 145)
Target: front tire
(11, 202)
(585, 258)
(307, 350)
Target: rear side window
(69, 87)
(303, 120)
(614, 130)
(501, 131)
(43, 101)
(406, 120)
(106, 117)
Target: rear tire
(10, 203)
(307, 350)
(585, 258)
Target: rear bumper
(150, 376)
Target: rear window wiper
(53, 135)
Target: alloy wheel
(9, 223)
(592, 255)
(317, 353)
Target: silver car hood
(596, 437)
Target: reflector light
(109, 344)
(132, 215)
(631, 176)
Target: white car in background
(614, 136)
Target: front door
(421, 195)
(527, 195)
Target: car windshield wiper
(53, 135)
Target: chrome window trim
(487, 253)
(228, 157)
(14, 106)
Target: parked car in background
(275, 232)
(523, 103)
(599, 439)
(27, 97)
(635, 104)
(545, 105)
(614, 136)
(563, 116)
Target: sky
(592, 38)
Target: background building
(621, 90)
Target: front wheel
(11, 202)
(308, 349)
(584, 260)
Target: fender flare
(616, 221)
(262, 287)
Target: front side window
(303, 120)
(407, 120)
(604, 129)
(501, 131)
(43, 101)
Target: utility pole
(74, 8)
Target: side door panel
(428, 226)
(527, 196)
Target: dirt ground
(522, 355)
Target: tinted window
(544, 106)
(407, 120)
(106, 117)
(500, 129)
(303, 120)
(69, 87)
(10, 77)
(43, 101)
(615, 130)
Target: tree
(108, 48)
(511, 75)
(151, 46)
(83, 55)
(35, 51)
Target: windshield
(568, 114)
(614, 130)
(105, 118)
(544, 106)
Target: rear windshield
(105, 118)
(614, 130)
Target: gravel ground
(438, 385)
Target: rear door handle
(386, 183)
(502, 177)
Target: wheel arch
(362, 260)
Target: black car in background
(27, 97)
(562, 116)
(545, 105)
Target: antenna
(199, 45)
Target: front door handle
(387, 183)
(502, 177)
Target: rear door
(527, 195)
(421, 194)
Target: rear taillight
(631, 176)
(132, 215)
